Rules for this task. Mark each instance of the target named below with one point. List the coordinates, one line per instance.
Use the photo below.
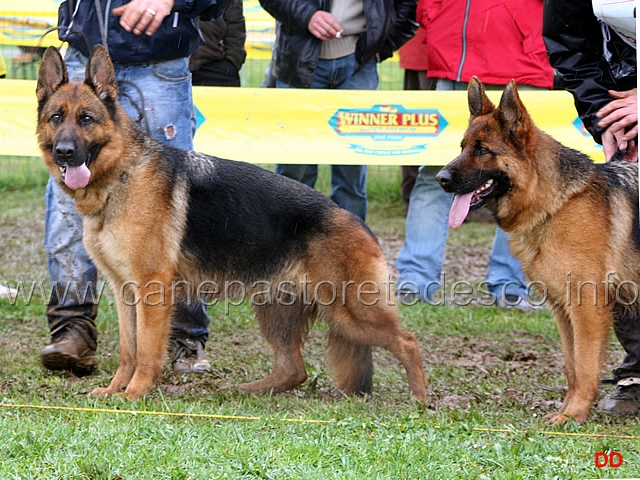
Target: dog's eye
(56, 118)
(480, 150)
(86, 120)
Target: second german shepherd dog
(155, 217)
(573, 224)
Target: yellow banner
(24, 23)
(321, 126)
(360, 127)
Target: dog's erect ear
(100, 74)
(512, 110)
(52, 75)
(479, 103)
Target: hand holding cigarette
(324, 26)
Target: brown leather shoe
(69, 351)
(187, 356)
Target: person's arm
(146, 16)
(294, 15)
(234, 40)
(404, 29)
(574, 42)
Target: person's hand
(324, 26)
(143, 16)
(617, 116)
(613, 142)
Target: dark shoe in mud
(69, 351)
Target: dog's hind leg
(284, 329)
(378, 325)
(127, 327)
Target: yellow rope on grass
(551, 432)
(292, 420)
(150, 412)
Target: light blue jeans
(422, 255)
(348, 182)
(158, 96)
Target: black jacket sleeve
(294, 15)
(575, 46)
(234, 40)
(224, 38)
(205, 9)
(404, 29)
(384, 37)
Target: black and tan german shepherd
(155, 217)
(573, 224)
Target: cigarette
(338, 34)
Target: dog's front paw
(556, 418)
(138, 390)
(134, 394)
(567, 415)
(102, 392)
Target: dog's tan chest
(102, 243)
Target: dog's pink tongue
(459, 209)
(77, 177)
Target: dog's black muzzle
(445, 179)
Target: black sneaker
(187, 356)
(625, 400)
(69, 351)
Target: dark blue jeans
(348, 182)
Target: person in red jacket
(495, 40)
(413, 60)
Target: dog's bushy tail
(351, 364)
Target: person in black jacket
(217, 63)
(593, 48)
(597, 61)
(149, 42)
(337, 44)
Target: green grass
(386, 436)
(493, 375)
(20, 173)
